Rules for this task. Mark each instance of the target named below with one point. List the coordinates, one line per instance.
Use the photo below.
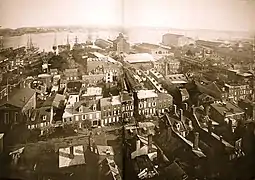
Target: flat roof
(65, 160)
(227, 107)
(105, 150)
(143, 94)
(139, 58)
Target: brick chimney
(138, 144)
(196, 141)
(186, 106)
(230, 125)
(71, 152)
(175, 110)
(181, 115)
(210, 127)
(149, 143)
(169, 133)
(207, 109)
(221, 138)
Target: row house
(238, 91)
(165, 101)
(90, 93)
(110, 110)
(72, 74)
(83, 113)
(93, 79)
(127, 103)
(145, 102)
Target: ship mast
(67, 40)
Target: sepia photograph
(127, 89)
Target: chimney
(196, 141)
(138, 144)
(221, 138)
(186, 106)
(210, 127)
(207, 109)
(149, 143)
(230, 124)
(51, 114)
(71, 152)
(90, 139)
(224, 114)
(169, 133)
(181, 115)
(175, 110)
(193, 109)
(246, 113)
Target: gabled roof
(18, 97)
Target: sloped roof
(111, 169)
(19, 97)
(174, 171)
(54, 100)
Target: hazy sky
(191, 14)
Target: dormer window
(44, 117)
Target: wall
(147, 107)
(110, 114)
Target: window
(154, 104)
(6, 118)
(97, 115)
(44, 118)
(131, 107)
(15, 117)
(127, 108)
(77, 118)
(90, 116)
(94, 123)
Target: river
(45, 41)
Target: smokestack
(149, 143)
(181, 115)
(196, 141)
(210, 127)
(71, 152)
(138, 144)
